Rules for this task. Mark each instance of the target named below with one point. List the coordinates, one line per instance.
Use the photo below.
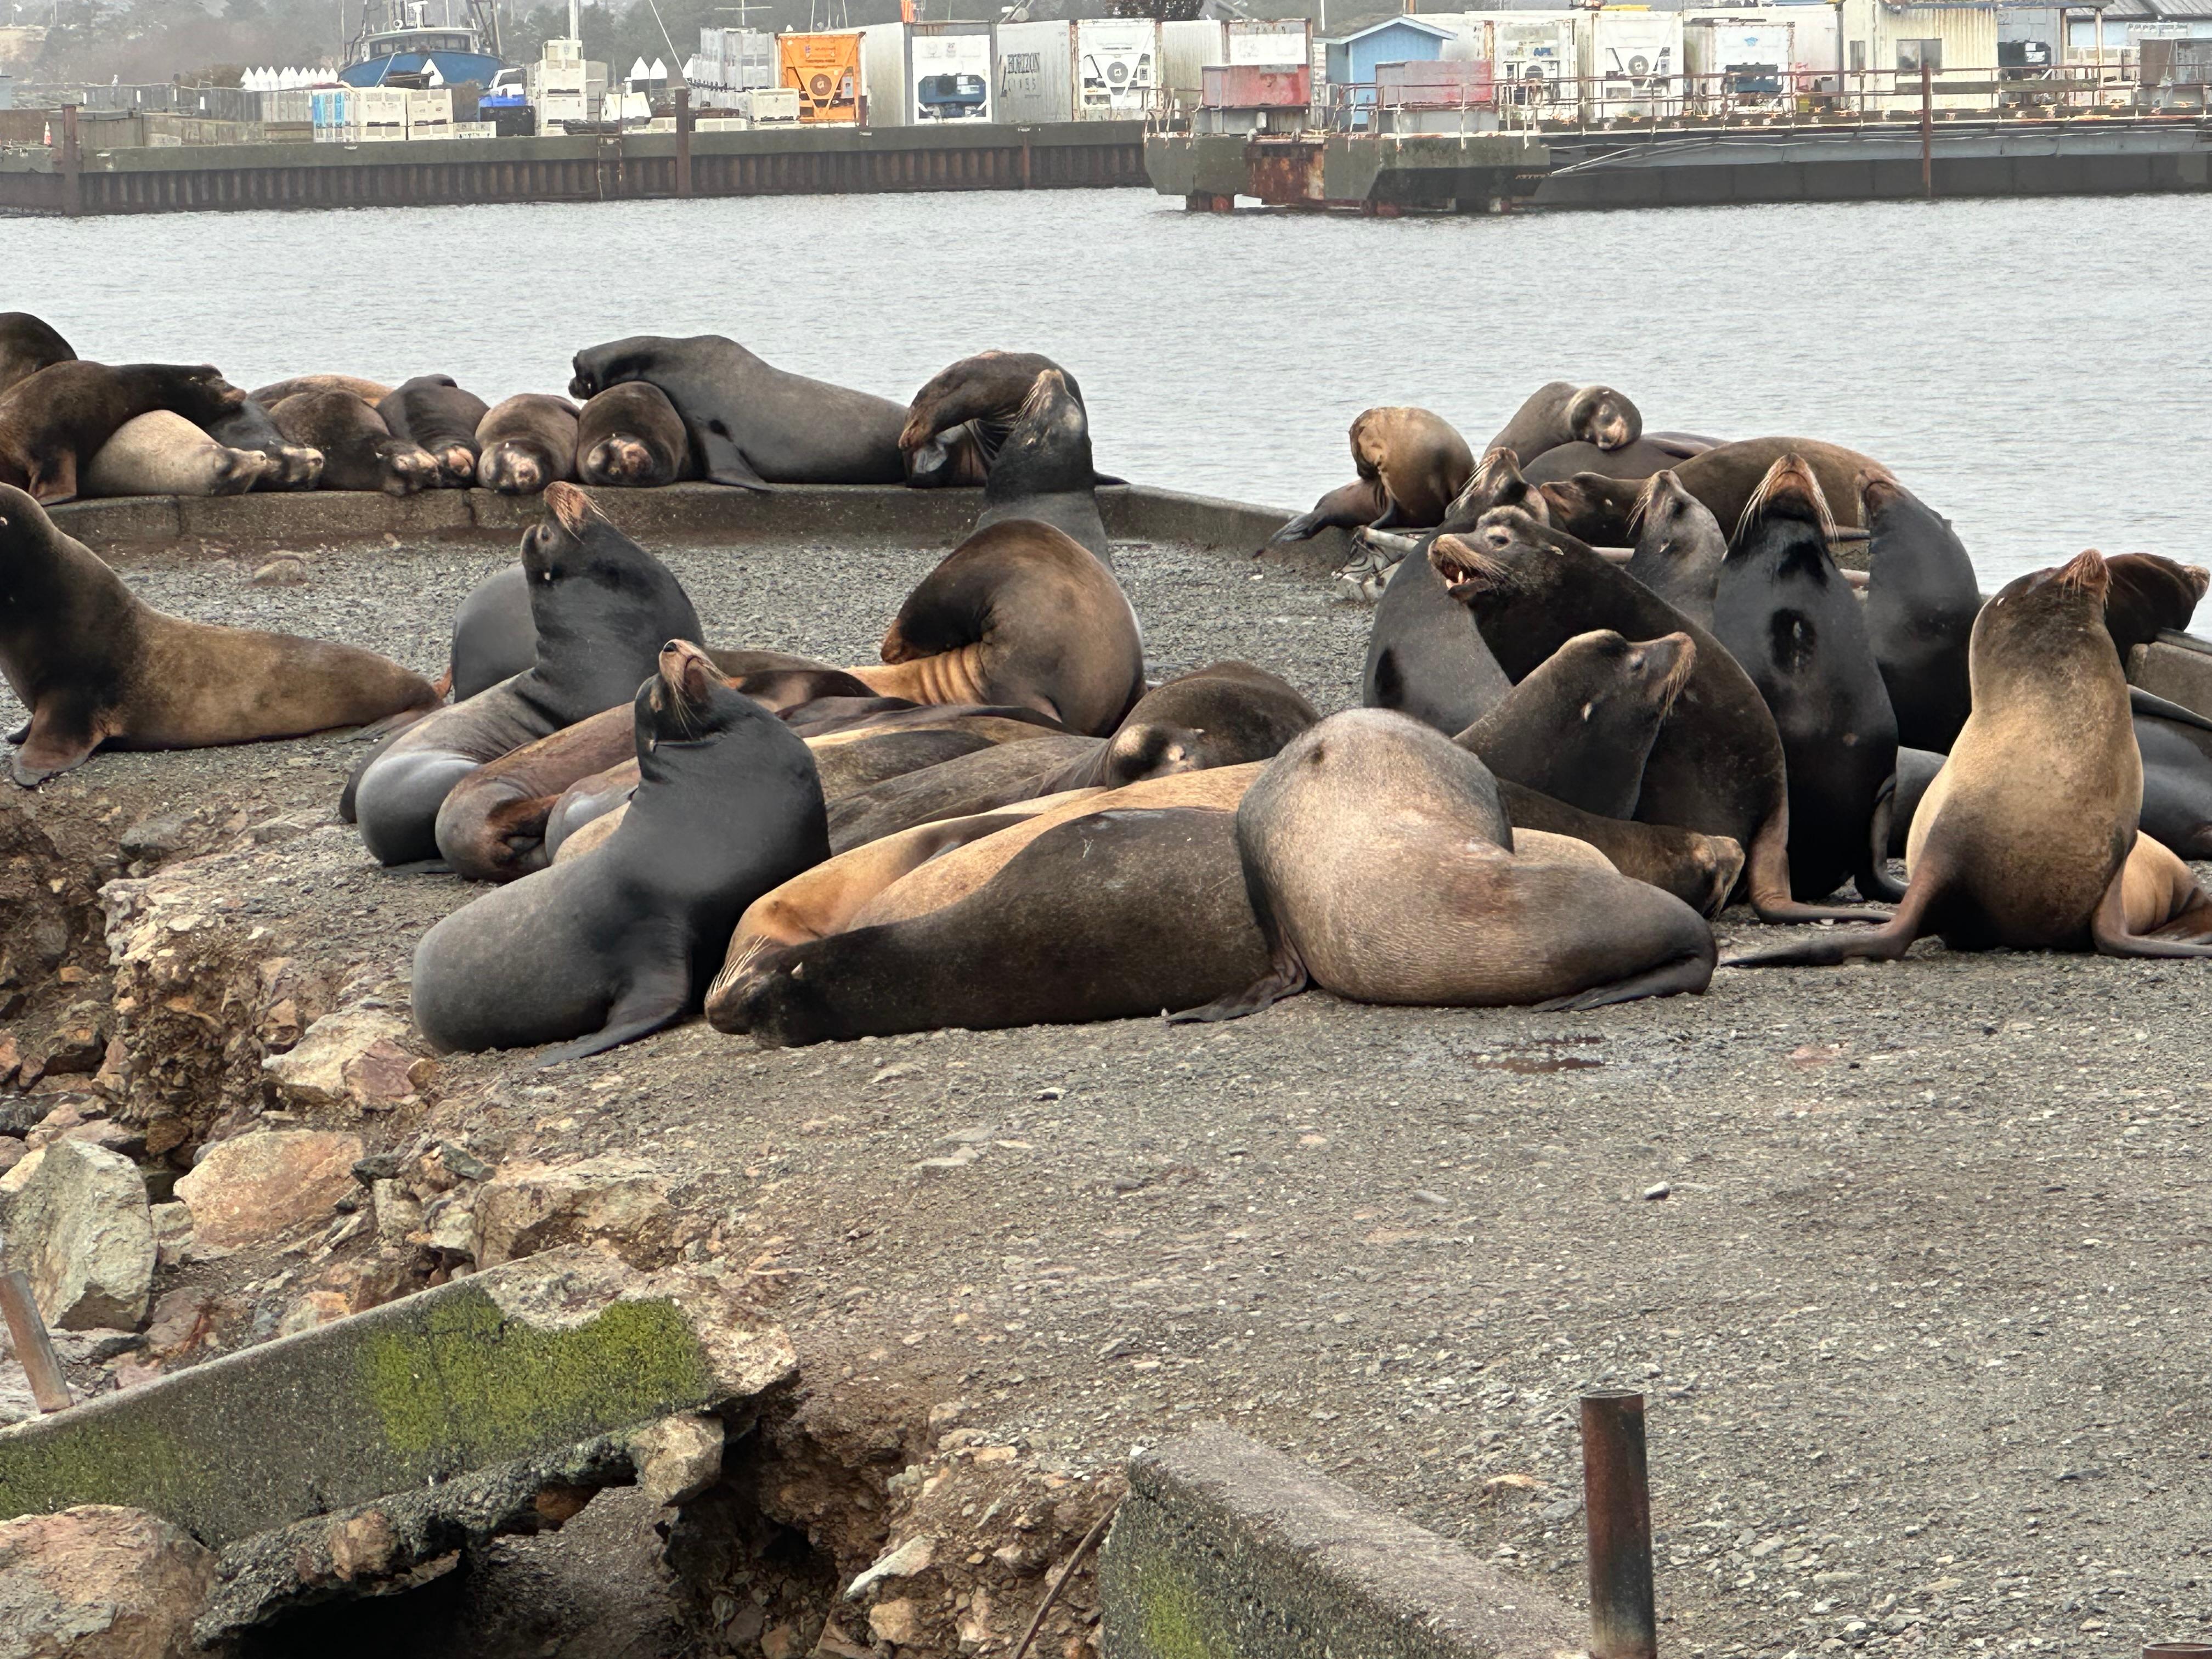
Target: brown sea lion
(631, 436)
(1223, 715)
(956, 423)
(95, 664)
(2148, 595)
(1640, 460)
(1699, 870)
(53, 423)
(28, 344)
(291, 466)
(1019, 613)
(1562, 413)
(1382, 866)
(1599, 510)
(2027, 837)
(1043, 470)
(980, 782)
(371, 392)
(1679, 547)
(160, 454)
(358, 450)
(1411, 466)
(433, 411)
(526, 442)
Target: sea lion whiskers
(1466, 567)
(2086, 572)
(1685, 663)
(1789, 484)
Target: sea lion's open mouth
(1465, 568)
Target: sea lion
(602, 950)
(358, 450)
(1786, 614)
(95, 664)
(1223, 715)
(2024, 839)
(602, 607)
(28, 344)
(1598, 510)
(1426, 657)
(1699, 870)
(291, 466)
(494, 635)
(2150, 595)
(1019, 613)
(160, 453)
(1916, 770)
(1496, 481)
(980, 782)
(54, 422)
(1562, 413)
(1382, 866)
(2176, 745)
(526, 442)
(1679, 547)
(1580, 728)
(1411, 465)
(1109, 916)
(431, 411)
(1633, 461)
(1921, 600)
(371, 392)
(1717, 766)
(956, 423)
(752, 424)
(631, 436)
(1042, 468)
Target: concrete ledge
(2178, 667)
(507, 1365)
(1227, 1549)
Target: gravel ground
(1914, 1262)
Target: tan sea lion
(1411, 466)
(53, 423)
(96, 665)
(160, 454)
(371, 392)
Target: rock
(80, 1042)
(614, 1199)
(56, 1124)
(156, 837)
(315, 1308)
(172, 1232)
(77, 1223)
(105, 1131)
(898, 1621)
(914, 1556)
(780, 1641)
(1659, 1191)
(183, 1320)
(285, 570)
(678, 1457)
(264, 1185)
(270, 831)
(352, 1061)
(396, 1214)
(12, 1152)
(10, 1058)
(98, 1583)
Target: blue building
(1416, 36)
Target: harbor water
(2028, 366)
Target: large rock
(98, 1583)
(353, 1062)
(616, 1200)
(75, 1220)
(264, 1185)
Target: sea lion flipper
(20, 734)
(723, 463)
(54, 481)
(655, 999)
(47, 745)
(1689, 974)
(1286, 976)
(1872, 879)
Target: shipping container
(921, 74)
(1186, 49)
(824, 71)
(292, 104)
(1631, 65)
(1536, 57)
(1240, 86)
(1733, 64)
(1094, 69)
(7, 92)
(1263, 44)
(430, 113)
(769, 106)
(1439, 96)
(1886, 46)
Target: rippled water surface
(2033, 368)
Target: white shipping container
(922, 73)
(1631, 65)
(1537, 57)
(1186, 49)
(430, 113)
(1283, 44)
(1739, 62)
(1094, 69)
(769, 106)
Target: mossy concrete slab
(502, 1365)
(1226, 1550)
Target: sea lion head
(200, 394)
(957, 422)
(1661, 507)
(1788, 493)
(1599, 416)
(2042, 624)
(1651, 673)
(407, 468)
(1496, 481)
(620, 459)
(1500, 556)
(1049, 442)
(1591, 508)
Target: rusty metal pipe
(1617, 1508)
(34, 1347)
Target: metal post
(1617, 1505)
(683, 141)
(72, 164)
(1927, 129)
(34, 1347)
(2178, 1650)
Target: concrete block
(1228, 1549)
(1137, 513)
(131, 518)
(2179, 672)
(504, 1366)
(285, 519)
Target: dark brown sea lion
(28, 344)
(1223, 715)
(1717, 766)
(1679, 547)
(750, 423)
(605, 950)
(2029, 836)
(526, 442)
(1109, 916)
(980, 782)
(602, 606)
(1599, 510)
(2148, 595)
(1021, 614)
(1640, 460)
(1786, 614)
(358, 450)
(97, 666)
(631, 436)
(291, 466)
(1921, 600)
(371, 392)
(1565, 413)
(54, 422)
(1382, 866)
(1042, 468)
(1580, 728)
(431, 411)
(1411, 466)
(1699, 870)
(164, 455)
(956, 423)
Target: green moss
(466, 1385)
(116, 1458)
(1176, 1625)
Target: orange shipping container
(824, 69)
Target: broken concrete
(1228, 1549)
(98, 1582)
(619, 1200)
(75, 1219)
(519, 1363)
